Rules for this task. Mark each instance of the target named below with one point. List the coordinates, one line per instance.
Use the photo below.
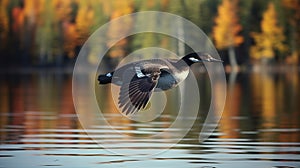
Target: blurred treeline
(51, 32)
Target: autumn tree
(119, 29)
(70, 38)
(84, 20)
(4, 22)
(226, 31)
(271, 37)
(49, 36)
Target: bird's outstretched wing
(136, 90)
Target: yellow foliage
(84, 20)
(120, 28)
(4, 23)
(62, 9)
(30, 10)
(270, 39)
(227, 27)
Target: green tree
(293, 23)
(227, 29)
(271, 37)
(49, 39)
(207, 10)
(45, 33)
(145, 40)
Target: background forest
(47, 33)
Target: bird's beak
(209, 58)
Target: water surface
(39, 126)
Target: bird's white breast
(181, 76)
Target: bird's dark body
(167, 79)
(139, 79)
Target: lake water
(39, 127)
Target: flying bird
(138, 80)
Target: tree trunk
(232, 58)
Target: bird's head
(196, 57)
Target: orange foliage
(271, 38)
(292, 4)
(30, 10)
(119, 29)
(18, 19)
(70, 36)
(3, 21)
(227, 27)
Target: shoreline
(227, 68)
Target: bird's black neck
(187, 57)
(183, 64)
(186, 60)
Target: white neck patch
(109, 74)
(194, 59)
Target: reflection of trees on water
(265, 104)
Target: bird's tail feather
(104, 79)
